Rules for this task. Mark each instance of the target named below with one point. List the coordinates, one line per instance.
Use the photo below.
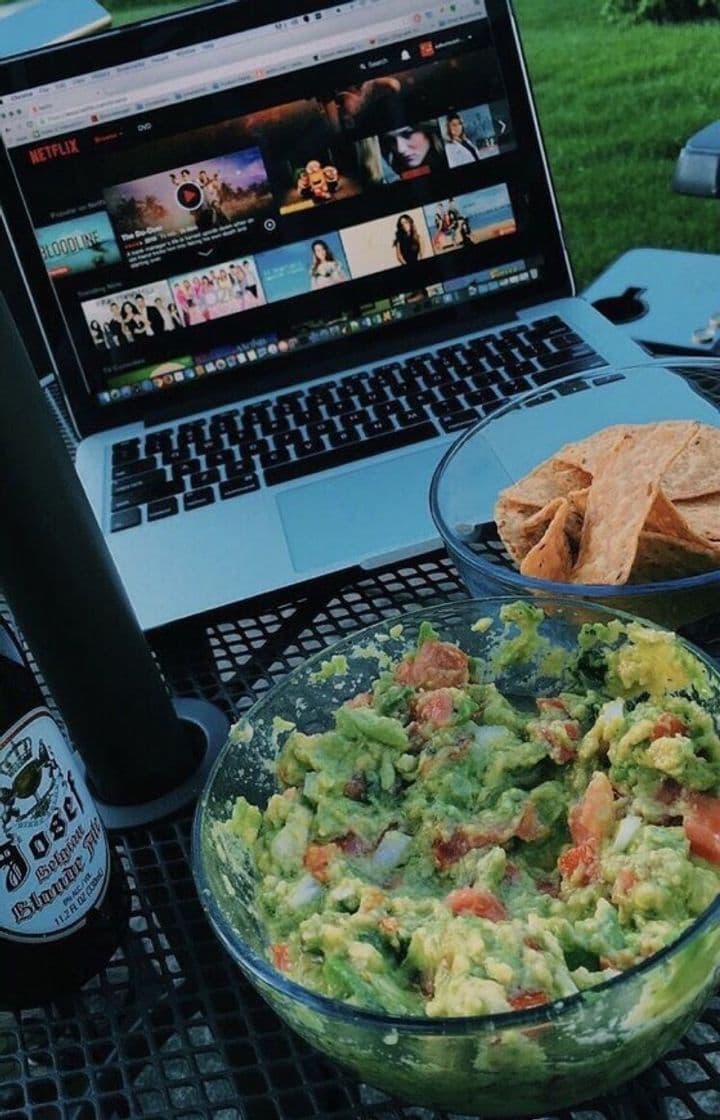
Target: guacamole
(446, 850)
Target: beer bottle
(63, 904)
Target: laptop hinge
(377, 351)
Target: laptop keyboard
(190, 465)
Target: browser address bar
(266, 62)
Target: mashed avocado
(445, 850)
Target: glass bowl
(521, 1062)
(510, 442)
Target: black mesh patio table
(170, 1028)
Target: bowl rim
(259, 968)
(514, 577)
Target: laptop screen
(234, 198)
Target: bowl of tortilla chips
(604, 486)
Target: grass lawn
(616, 105)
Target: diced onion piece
(305, 890)
(490, 734)
(626, 830)
(391, 850)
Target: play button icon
(189, 196)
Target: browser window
(212, 207)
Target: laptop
(279, 267)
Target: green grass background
(616, 105)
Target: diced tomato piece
(572, 728)
(317, 859)
(556, 735)
(281, 956)
(468, 900)
(362, 700)
(436, 665)
(446, 852)
(529, 826)
(625, 880)
(550, 704)
(701, 821)
(435, 707)
(667, 726)
(523, 1000)
(593, 817)
(579, 863)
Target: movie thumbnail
(124, 318)
(78, 244)
(189, 206)
(457, 223)
(225, 289)
(305, 266)
(406, 152)
(399, 239)
(470, 135)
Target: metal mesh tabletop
(170, 1029)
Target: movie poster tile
(189, 206)
(458, 223)
(390, 242)
(212, 293)
(304, 266)
(411, 151)
(124, 319)
(79, 244)
(471, 135)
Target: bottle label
(54, 857)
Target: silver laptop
(280, 266)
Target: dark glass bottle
(63, 903)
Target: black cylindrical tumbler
(64, 591)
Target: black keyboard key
(343, 437)
(456, 421)
(241, 484)
(139, 484)
(179, 455)
(322, 428)
(164, 507)
(125, 519)
(158, 441)
(131, 470)
(592, 361)
(273, 458)
(219, 458)
(482, 396)
(204, 478)
(239, 467)
(377, 428)
(559, 357)
(355, 419)
(567, 388)
(446, 408)
(125, 501)
(126, 451)
(165, 489)
(516, 385)
(362, 449)
(305, 447)
(408, 417)
(182, 470)
(207, 446)
(274, 427)
(195, 499)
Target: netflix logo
(61, 149)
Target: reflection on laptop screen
(236, 199)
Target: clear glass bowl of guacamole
(507, 901)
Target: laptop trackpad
(374, 509)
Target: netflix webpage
(216, 233)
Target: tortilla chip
(587, 453)
(510, 519)
(703, 516)
(696, 471)
(549, 480)
(622, 493)
(552, 557)
(661, 557)
(668, 519)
